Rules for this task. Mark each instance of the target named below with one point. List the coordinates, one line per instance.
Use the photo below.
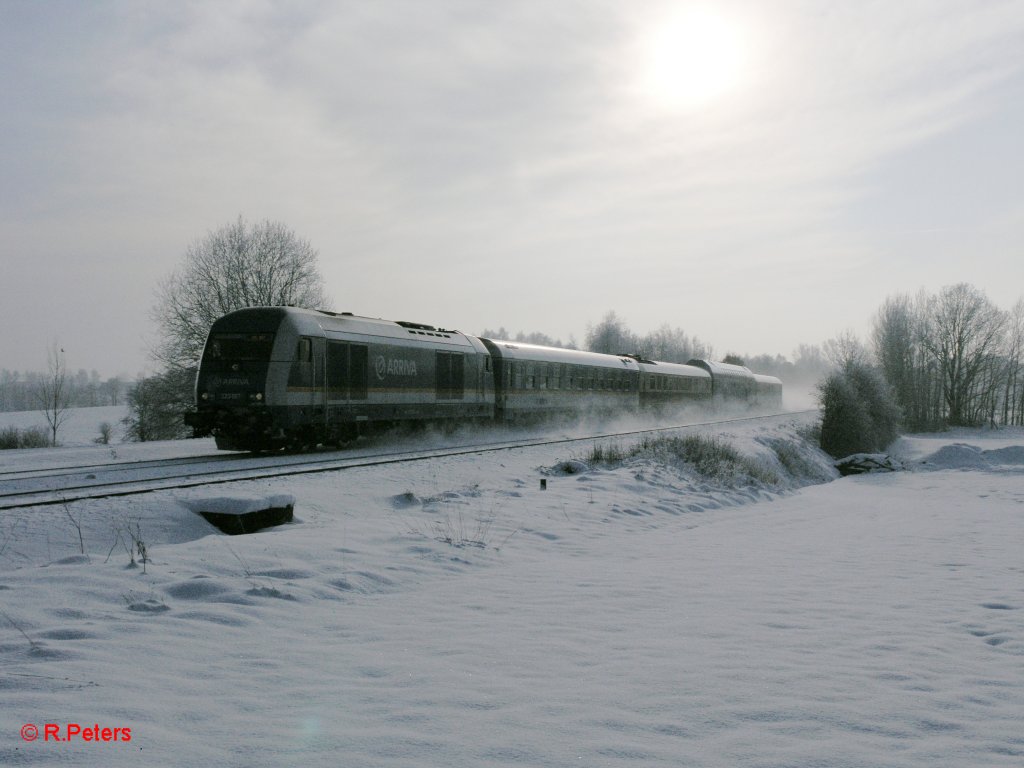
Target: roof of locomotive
(317, 321)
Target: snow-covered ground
(452, 613)
(80, 427)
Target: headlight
(258, 397)
(205, 396)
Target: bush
(106, 432)
(859, 411)
(710, 457)
(12, 438)
(156, 405)
(8, 438)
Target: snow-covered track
(68, 484)
(9, 475)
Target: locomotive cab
(234, 373)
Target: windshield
(239, 346)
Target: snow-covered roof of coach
(764, 378)
(674, 369)
(514, 350)
(726, 370)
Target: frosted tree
(846, 348)
(965, 339)
(239, 265)
(1013, 395)
(610, 336)
(671, 345)
(899, 335)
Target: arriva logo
(394, 367)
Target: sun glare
(693, 57)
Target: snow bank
(235, 503)
(243, 513)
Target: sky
(760, 174)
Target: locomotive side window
(450, 367)
(347, 370)
(358, 370)
(337, 370)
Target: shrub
(30, 437)
(156, 405)
(859, 411)
(715, 458)
(605, 453)
(106, 432)
(35, 437)
(711, 457)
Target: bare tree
(900, 334)
(236, 266)
(53, 392)
(611, 336)
(672, 345)
(967, 332)
(846, 349)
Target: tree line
(952, 358)
(934, 360)
(19, 391)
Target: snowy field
(452, 613)
(81, 427)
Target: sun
(691, 58)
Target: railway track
(41, 487)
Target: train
(285, 377)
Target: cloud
(423, 146)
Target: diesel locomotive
(273, 377)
